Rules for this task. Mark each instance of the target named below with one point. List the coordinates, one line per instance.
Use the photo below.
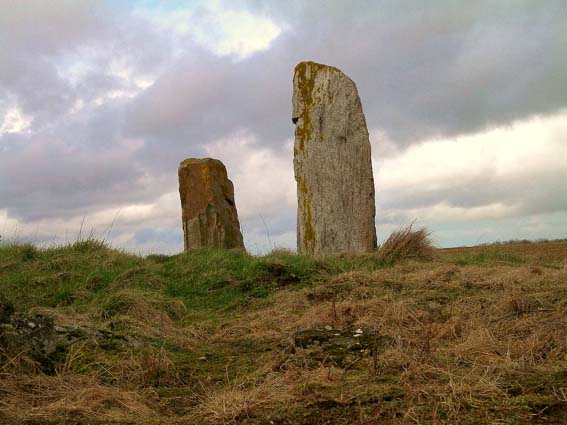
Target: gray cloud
(439, 69)
(34, 34)
(149, 235)
(527, 194)
(442, 68)
(71, 162)
(422, 72)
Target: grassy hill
(473, 336)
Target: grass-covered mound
(468, 336)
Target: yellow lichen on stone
(206, 176)
(306, 84)
(330, 96)
(309, 236)
(310, 96)
(309, 233)
(306, 73)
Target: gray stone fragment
(32, 335)
(341, 346)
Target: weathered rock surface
(340, 346)
(6, 309)
(332, 164)
(209, 212)
(32, 335)
(36, 337)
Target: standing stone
(332, 164)
(207, 204)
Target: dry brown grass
(148, 367)
(73, 397)
(239, 399)
(148, 307)
(465, 335)
(407, 243)
(484, 343)
(537, 252)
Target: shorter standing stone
(208, 209)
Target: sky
(466, 105)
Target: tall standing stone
(208, 209)
(332, 164)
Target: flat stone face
(208, 209)
(332, 164)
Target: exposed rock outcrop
(36, 337)
(209, 212)
(332, 164)
(339, 346)
(32, 335)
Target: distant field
(548, 251)
(474, 336)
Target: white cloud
(479, 187)
(118, 224)
(118, 78)
(113, 94)
(263, 179)
(9, 227)
(238, 33)
(525, 147)
(222, 30)
(14, 122)
(265, 189)
(143, 83)
(443, 212)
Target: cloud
(14, 122)
(521, 166)
(215, 26)
(56, 53)
(263, 178)
(265, 191)
(100, 101)
(440, 69)
(422, 72)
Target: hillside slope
(477, 335)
